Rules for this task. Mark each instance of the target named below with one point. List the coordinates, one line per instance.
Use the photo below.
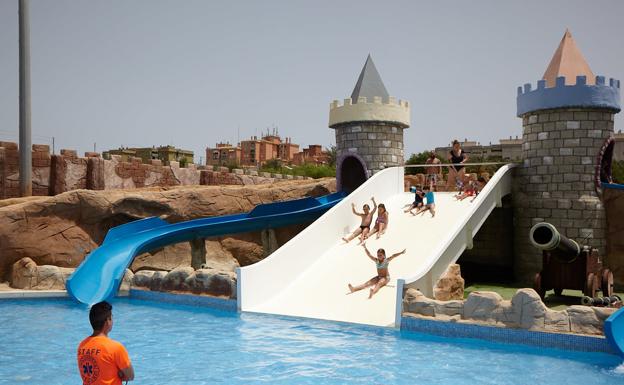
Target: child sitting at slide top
(481, 182)
(429, 197)
(469, 190)
(367, 219)
(418, 199)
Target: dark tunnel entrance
(351, 174)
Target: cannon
(567, 265)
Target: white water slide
(308, 276)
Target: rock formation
(450, 285)
(27, 275)
(525, 311)
(61, 230)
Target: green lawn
(569, 297)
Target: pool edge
(570, 342)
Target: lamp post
(25, 143)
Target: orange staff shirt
(100, 359)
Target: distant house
(165, 154)
(507, 149)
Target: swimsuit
(458, 159)
(429, 197)
(381, 266)
(380, 219)
(365, 227)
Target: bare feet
(351, 288)
(346, 240)
(370, 295)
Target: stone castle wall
(379, 144)
(55, 174)
(555, 183)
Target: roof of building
(369, 84)
(568, 61)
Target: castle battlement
(579, 95)
(378, 110)
(363, 100)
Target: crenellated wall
(599, 95)
(55, 174)
(390, 111)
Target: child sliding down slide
(367, 219)
(383, 275)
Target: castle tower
(565, 122)
(369, 129)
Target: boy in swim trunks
(367, 219)
(383, 275)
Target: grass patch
(552, 301)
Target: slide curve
(99, 276)
(614, 331)
(308, 276)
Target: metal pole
(25, 143)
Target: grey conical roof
(369, 84)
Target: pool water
(182, 345)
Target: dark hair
(426, 187)
(382, 206)
(481, 179)
(99, 313)
(382, 251)
(366, 206)
(455, 141)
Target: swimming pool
(183, 345)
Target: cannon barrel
(545, 237)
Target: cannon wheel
(558, 291)
(591, 285)
(537, 285)
(607, 283)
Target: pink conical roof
(568, 61)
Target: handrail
(456, 164)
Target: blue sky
(191, 73)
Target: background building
(223, 154)
(507, 149)
(166, 154)
(256, 152)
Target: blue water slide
(614, 331)
(99, 276)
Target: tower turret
(565, 120)
(369, 129)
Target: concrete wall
(492, 254)
(55, 174)
(614, 208)
(555, 182)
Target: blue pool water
(180, 345)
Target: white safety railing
(451, 249)
(261, 281)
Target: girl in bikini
(381, 223)
(383, 276)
